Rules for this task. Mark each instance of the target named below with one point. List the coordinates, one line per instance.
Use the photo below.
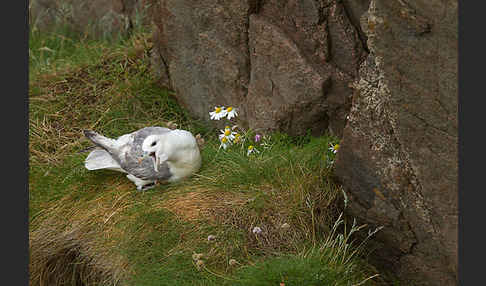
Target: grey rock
(398, 157)
(95, 18)
(203, 50)
(205, 53)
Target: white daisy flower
(334, 147)
(231, 112)
(224, 143)
(227, 133)
(251, 149)
(218, 113)
(257, 230)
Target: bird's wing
(143, 167)
(100, 159)
(125, 154)
(113, 147)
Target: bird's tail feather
(101, 159)
(99, 140)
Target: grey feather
(100, 159)
(132, 160)
(149, 155)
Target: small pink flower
(258, 137)
(257, 230)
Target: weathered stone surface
(203, 48)
(398, 157)
(94, 17)
(283, 95)
(206, 53)
(300, 72)
(355, 9)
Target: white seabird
(149, 155)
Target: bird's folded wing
(100, 159)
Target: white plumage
(100, 159)
(149, 155)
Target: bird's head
(176, 147)
(153, 147)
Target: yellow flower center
(227, 132)
(217, 109)
(336, 147)
(250, 147)
(229, 109)
(224, 139)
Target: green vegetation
(94, 228)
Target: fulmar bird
(149, 155)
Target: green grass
(153, 264)
(309, 270)
(92, 227)
(237, 170)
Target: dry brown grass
(51, 134)
(269, 210)
(202, 204)
(63, 102)
(280, 208)
(74, 242)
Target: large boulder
(96, 18)
(303, 55)
(201, 52)
(398, 155)
(287, 65)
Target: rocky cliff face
(287, 65)
(398, 157)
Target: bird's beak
(155, 159)
(156, 162)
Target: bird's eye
(153, 144)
